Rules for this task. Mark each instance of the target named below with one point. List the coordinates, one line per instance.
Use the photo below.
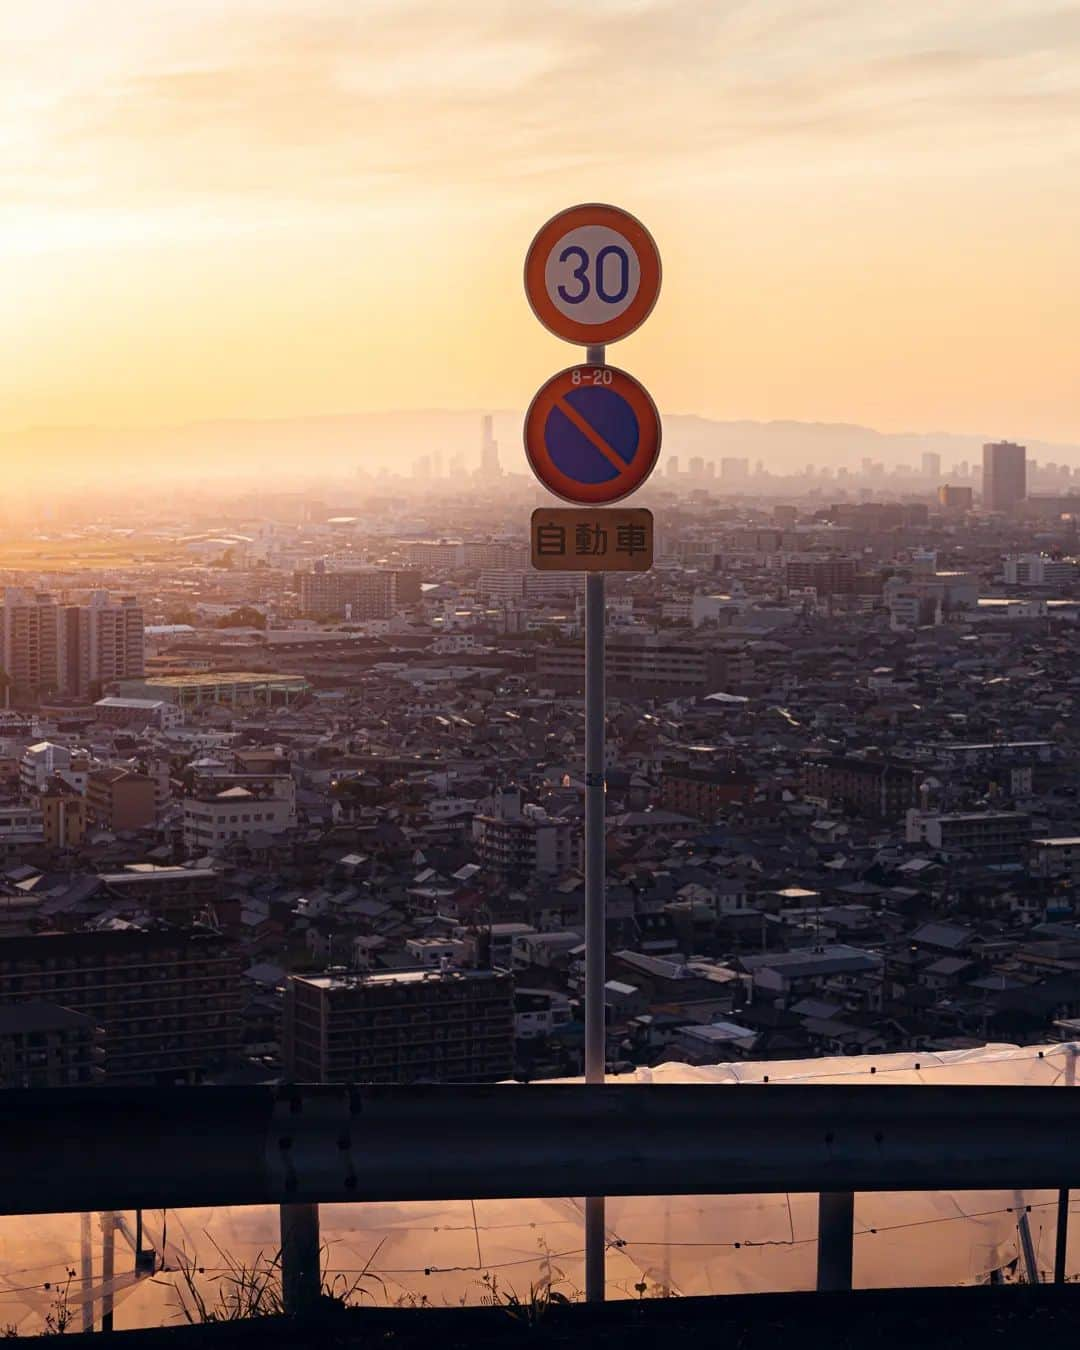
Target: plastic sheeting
(448, 1252)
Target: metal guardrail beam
(66, 1150)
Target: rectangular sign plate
(592, 539)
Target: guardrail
(81, 1149)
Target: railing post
(301, 1276)
(1061, 1246)
(108, 1268)
(86, 1271)
(836, 1223)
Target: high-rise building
(368, 593)
(931, 465)
(32, 635)
(400, 1026)
(168, 999)
(1004, 475)
(489, 450)
(954, 498)
(46, 647)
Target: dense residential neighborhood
(310, 802)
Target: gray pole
(836, 1217)
(108, 1268)
(301, 1273)
(595, 907)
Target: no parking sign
(592, 435)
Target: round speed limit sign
(592, 274)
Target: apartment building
(501, 554)
(357, 595)
(519, 840)
(43, 1045)
(178, 895)
(168, 1000)
(1056, 858)
(646, 665)
(994, 836)
(21, 828)
(47, 647)
(402, 1026)
(1038, 569)
(879, 788)
(438, 555)
(45, 761)
(120, 799)
(104, 642)
(233, 808)
(830, 575)
(63, 815)
(704, 793)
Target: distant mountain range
(301, 447)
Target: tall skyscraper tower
(931, 465)
(489, 451)
(1004, 475)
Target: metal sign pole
(595, 907)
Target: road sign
(592, 435)
(592, 539)
(592, 274)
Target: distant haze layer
(299, 448)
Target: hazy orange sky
(868, 211)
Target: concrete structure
(168, 999)
(116, 711)
(831, 575)
(120, 799)
(1038, 569)
(878, 788)
(704, 793)
(46, 647)
(235, 808)
(63, 815)
(1004, 476)
(652, 665)
(521, 840)
(405, 1026)
(992, 835)
(1056, 858)
(43, 1045)
(45, 760)
(957, 499)
(233, 688)
(368, 593)
(21, 828)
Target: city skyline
(301, 209)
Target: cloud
(403, 100)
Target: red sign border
(540, 461)
(651, 274)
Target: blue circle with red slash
(592, 434)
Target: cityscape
(438, 755)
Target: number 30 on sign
(592, 274)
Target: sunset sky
(867, 211)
